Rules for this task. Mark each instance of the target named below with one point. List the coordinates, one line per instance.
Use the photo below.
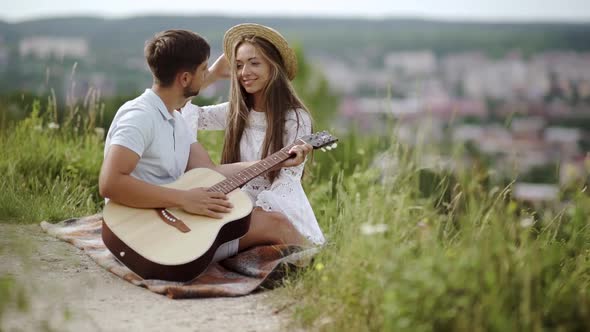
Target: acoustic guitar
(172, 244)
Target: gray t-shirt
(161, 140)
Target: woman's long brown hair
(279, 98)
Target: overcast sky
(489, 10)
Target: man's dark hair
(173, 51)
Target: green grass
(414, 251)
(48, 174)
(462, 257)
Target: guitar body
(154, 249)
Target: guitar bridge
(172, 220)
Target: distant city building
(340, 75)
(567, 65)
(529, 127)
(58, 47)
(411, 63)
(425, 132)
(464, 133)
(562, 135)
(536, 193)
(564, 140)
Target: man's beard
(188, 93)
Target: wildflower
(527, 222)
(53, 125)
(99, 131)
(423, 223)
(325, 320)
(494, 190)
(319, 266)
(368, 229)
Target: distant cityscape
(509, 108)
(525, 111)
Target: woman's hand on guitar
(299, 153)
(202, 202)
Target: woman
(262, 116)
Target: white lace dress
(285, 194)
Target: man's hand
(210, 204)
(299, 153)
(220, 68)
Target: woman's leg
(270, 228)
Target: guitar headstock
(321, 140)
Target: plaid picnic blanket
(258, 268)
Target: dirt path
(71, 293)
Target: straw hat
(235, 34)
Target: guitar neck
(242, 177)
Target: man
(149, 144)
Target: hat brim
(236, 33)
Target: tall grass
(411, 250)
(460, 256)
(49, 172)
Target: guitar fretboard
(242, 177)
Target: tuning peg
(328, 147)
(335, 145)
(323, 149)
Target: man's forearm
(129, 191)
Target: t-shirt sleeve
(134, 130)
